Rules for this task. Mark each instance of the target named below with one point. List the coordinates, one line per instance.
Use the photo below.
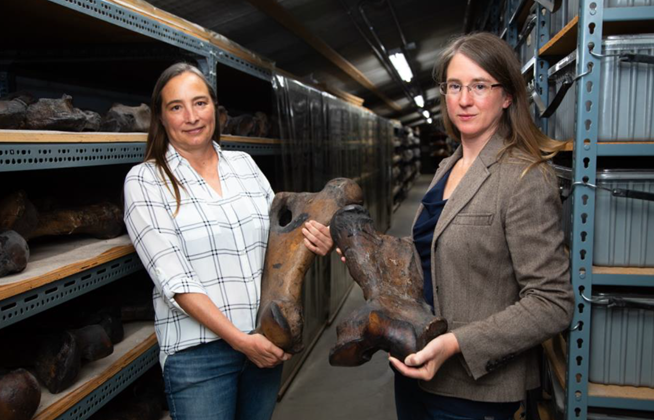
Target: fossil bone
(20, 395)
(395, 317)
(280, 316)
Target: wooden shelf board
(63, 257)
(37, 136)
(562, 43)
(570, 144)
(139, 337)
(556, 358)
(642, 271)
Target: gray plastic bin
(626, 103)
(622, 339)
(624, 227)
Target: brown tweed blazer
(500, 274)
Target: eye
(201, 103)
(480, 87)
(175, 107)
(453, 87)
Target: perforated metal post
(583, 205)
(512, 26)
(541, 66)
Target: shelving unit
(575, 40)
(581, 394)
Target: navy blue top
(423, 234)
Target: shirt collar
(174, 159)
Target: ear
(508, 100)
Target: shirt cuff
(181, 285)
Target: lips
(465, 117)
(194, 131)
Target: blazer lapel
(469, 185)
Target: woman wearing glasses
(490, 244)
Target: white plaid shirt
(215, 246)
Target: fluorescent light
(429, 120)
(420, 101)
(399, 62)
(425, 113)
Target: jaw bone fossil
(280, 316)
(395, 317)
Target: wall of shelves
(105, 51)
(580, 40)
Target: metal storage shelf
(618, 20)
(61, 270)
(31, 150)
(593, 23)
(607, 396)
(103, 379)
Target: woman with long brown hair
(489, 238)
(198, 218)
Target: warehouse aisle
(321, 391)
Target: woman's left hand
(317, 237)
(425, 363)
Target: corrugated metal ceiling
(427, 23)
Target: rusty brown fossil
(395, 317)
(280, 316)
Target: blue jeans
(214, 381)
(414, 403)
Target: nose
(190, 116)
(465, 97)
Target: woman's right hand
(261, 351)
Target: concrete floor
(321, 391)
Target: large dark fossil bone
(101, 220)
(14, 253)
(59, 114)
(58, 362)
(280, 316)
(20, 395)
(125, 119)
(395, 317)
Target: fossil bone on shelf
(395, 316)
(280, 316)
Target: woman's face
(475, 117)
(188, 112)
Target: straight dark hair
(495, 56)
(157, 144)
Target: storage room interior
(314, 91)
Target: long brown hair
(158, 141)
(516, 126)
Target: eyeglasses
(479, 89)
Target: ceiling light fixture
(429, 120)
(402, 66)
(419, 100)
(425, 113)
